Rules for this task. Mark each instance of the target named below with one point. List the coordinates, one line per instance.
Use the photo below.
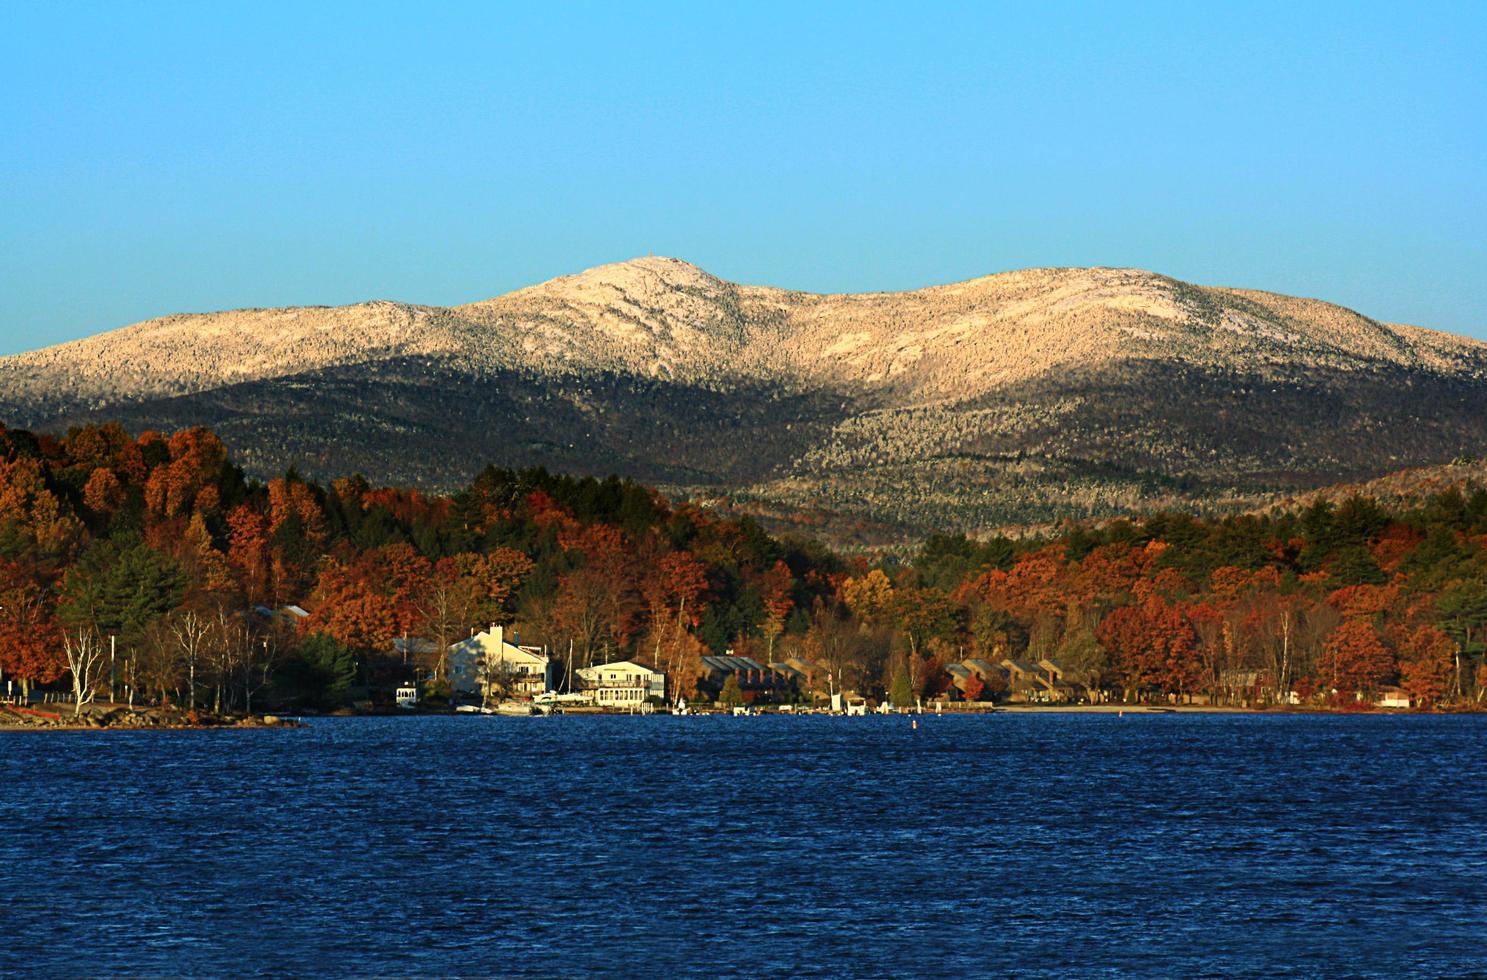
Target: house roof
(291, 612)
(618, 665)
(729, 665)
(478, 642)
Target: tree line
(148, 568)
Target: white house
(486, 665)
(622, 684)
(1393, 697)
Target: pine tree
(901, 694)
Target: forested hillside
(161, 546)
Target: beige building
(488, 667)
(622, 684)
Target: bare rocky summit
(1010, 398)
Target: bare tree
(448, 606)
(159, 662)
(84, 650)
(538, 614)
(580, 611)
(191, 632)
(1279, 618)
(238, 654)
(261, 654)
(836, 641)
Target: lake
(1057, 844)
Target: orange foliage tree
(1355, 659)
(774, 591)
(367, 602)
(1153, 644)
(1425, 671)
(30, 639)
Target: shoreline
(106, 717)
(12, 721)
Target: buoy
(916, 724)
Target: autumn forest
(150, 569)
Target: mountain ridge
(953, 405)
(400, 329)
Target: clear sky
(160, 158)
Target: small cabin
(1393, 697)
(407, 695)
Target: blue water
(1083, 845)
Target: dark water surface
(1084, 845)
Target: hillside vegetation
(161, 543)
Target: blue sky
(157, 158)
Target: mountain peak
(643, 276)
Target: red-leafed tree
(1426, 667)
(500, 575)
(774, 591)
(248, 552)
(1355, 601)
(609, 574)
(1355, 659)
(579, 614)
(30, 639)
(103, 493)
(297, 537)
(673, 588)
(1154, 646)
(371, 600)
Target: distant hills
(1014, 398)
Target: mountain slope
(1009, 398)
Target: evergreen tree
(323, 670)
(901, 695)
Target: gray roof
(730, 665)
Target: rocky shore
(62, 717)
